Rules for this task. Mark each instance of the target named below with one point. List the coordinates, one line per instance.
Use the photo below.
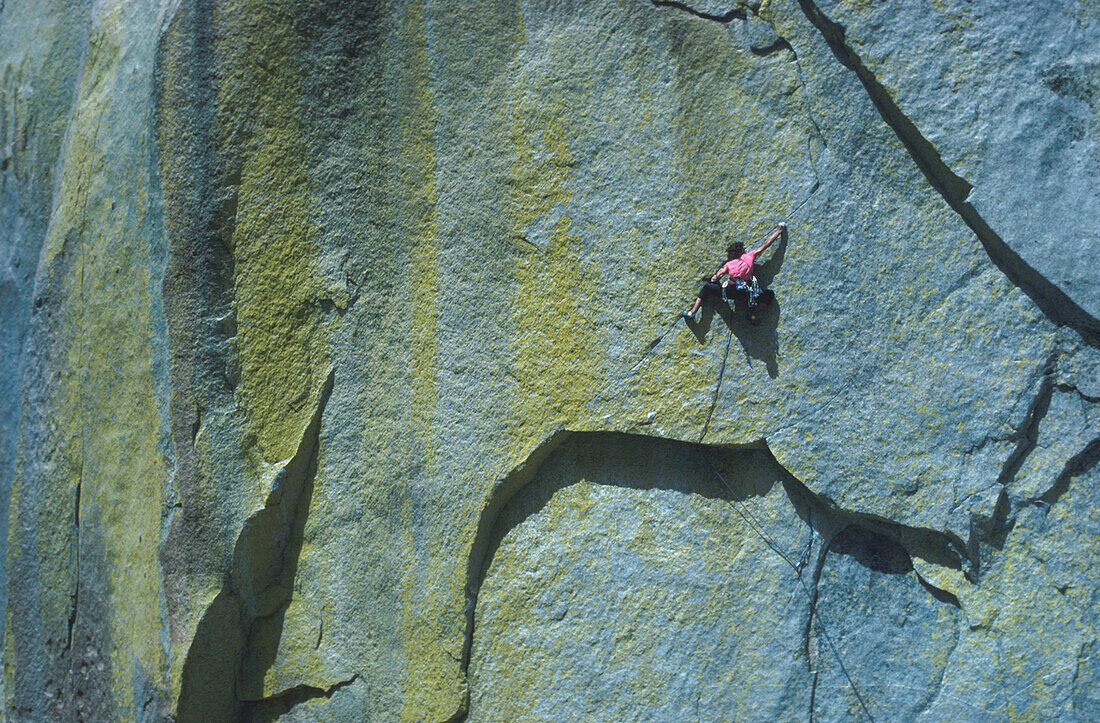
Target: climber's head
(735, 250)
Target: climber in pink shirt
(739, 285)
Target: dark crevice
(460, 716)
(75, 598)
(276, 706)
(776, 46)
(809, 639)
(810, 644)
(779, 44)
(237, 639)
(73, 606)
(809, 112)
(505, 490)
(993, 529)
(822, 516)
(1052, 301)
(1070, 389)
(872, 550)
(939, 593)
(1077, 465)
(1027, 436)
(828, 519)
(520, 238)
(813, 698)
(79, 488)
(738, 13)
(196, 425)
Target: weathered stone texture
(341, 376)
(1008, 95)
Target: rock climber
(740, 286)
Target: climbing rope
(718, 386)
(737, 504)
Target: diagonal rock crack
(1027, 436)
(955, 190)
(282, 703)
(237, 639)
(1077, 465)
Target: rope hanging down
(737, 503)
(657, 341)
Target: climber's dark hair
(735, 250)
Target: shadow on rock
(238, 637)
(760, 341)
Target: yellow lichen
(281, 337)
(554, 349)
(111, 457)
(433, 685)
(418, 156)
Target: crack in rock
(1027, 436)
(779, 44)
(280, 704)
(1077, 465)
(824, 517)
(955, 190)
(738, 13)
(237, 638)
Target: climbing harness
(751, 289)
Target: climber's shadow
(758, 341)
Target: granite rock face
(342, 377)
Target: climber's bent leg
(709, 290)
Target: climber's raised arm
(774, 235)
(742, 284)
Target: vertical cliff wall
(342, 376)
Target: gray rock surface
(685, 612)
(322, 312)
(624, 583)
(39, 83)
(1007, 96)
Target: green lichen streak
(281, 342)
